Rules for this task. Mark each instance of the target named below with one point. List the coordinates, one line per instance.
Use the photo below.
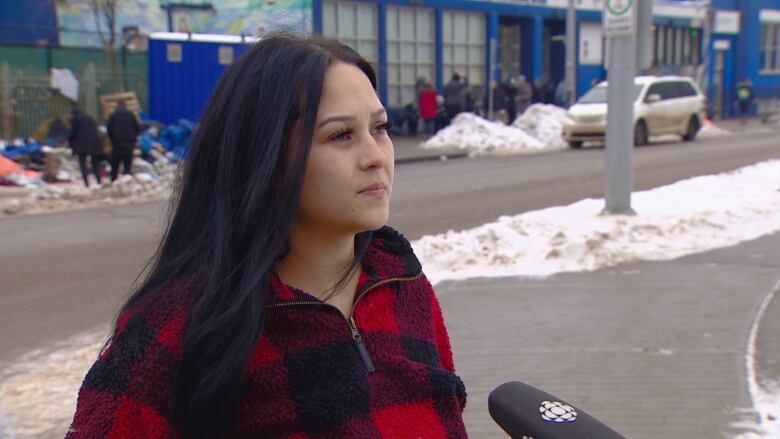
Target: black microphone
(526, 412)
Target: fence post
(7, 105)
(89, 86)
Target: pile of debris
(46, 178)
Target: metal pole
(5, 96)
(619, 178)
(571, 62)
(491, 80)
(702, 77)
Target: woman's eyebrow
(375, 114)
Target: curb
(429, 158)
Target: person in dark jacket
(454, 97)
(279, 305)
(744, 98)
(84, 139)
(123, 130)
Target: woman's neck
(317, 261)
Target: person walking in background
(428, 110)
(454, 97)
(560, 95)
(744, 99)
(123, 130)
(510, 96)
(548, 92)
(524, 94)
(85, 142)
(536, 93)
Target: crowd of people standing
(510, 99)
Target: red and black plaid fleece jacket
(386, 372)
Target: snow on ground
(39, 391)
(683, 218)
(478, 136)
(140, 187)
(544, 122)
(37, 395)
(709, 130)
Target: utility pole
(491, 79)
(625, 23)
(571, 54)
(701, 74)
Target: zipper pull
(361, 347)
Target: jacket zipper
(358, 339)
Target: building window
(354, 24)
(677, 46)
(770, 47)
(463, 38)
(411, 55)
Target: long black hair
(232, 213)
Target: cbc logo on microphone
(554, 411)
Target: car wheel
(693, 129)
(575, 144)
(640, 133)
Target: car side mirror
(653, 98)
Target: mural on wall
(77, 22)
(249, 17)
(256, 17)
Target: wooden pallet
(109, 103)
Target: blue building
(410, 41)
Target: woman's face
(349, 175)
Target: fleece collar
(389, 256)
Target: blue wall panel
(181, 89)
(748, 66)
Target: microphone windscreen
(526, 412)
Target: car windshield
(598, 94)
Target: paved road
(67, 272)
(431, 198)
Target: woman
(271, 308)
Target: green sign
(619, 17)
(619, 7)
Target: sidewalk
(752, 125)
(408, 150)
(654, 349)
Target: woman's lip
(374, 188)
(373, 191)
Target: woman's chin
(371, 221)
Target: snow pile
(686, 217)
(38, 394)
(478, 136)
(709, 130)
(545, 122)
(140, 187)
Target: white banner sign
(64, 81)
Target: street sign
(619, 17)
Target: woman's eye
(384, 126)
(342, 135)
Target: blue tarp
(177, 137)
(30, 148)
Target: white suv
(662, 105)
